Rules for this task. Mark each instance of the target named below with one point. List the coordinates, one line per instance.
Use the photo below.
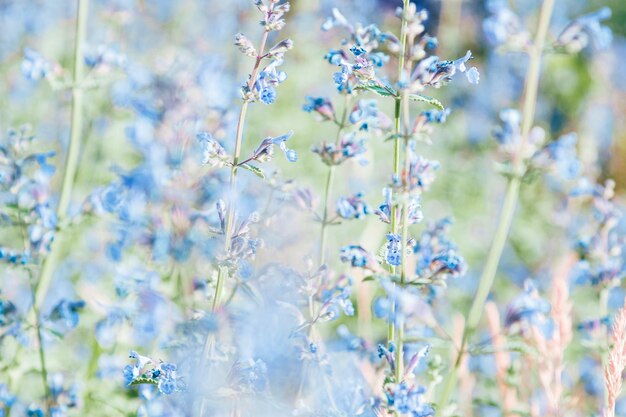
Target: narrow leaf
(255, 170)
(144, 380)
(378, 89)
(428, 100)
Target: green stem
(329, 185)
(329, 182)
(510, 200)
(222, 274)
(42, 362)
(77, 110)
(71, 163)
(230, 218)
(404, 238)
(391, 331)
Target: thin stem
(230, 219)
(534, 70)
(222, 274)
(329, 182)
(404, 237)
(396, 150)
(77, 110)
(42, 357)
(510, 200)
(329, 185)
(71, 163)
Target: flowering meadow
(313, 208)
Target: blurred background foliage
(190, 41)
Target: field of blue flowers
(314, 208)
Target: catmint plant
(163, 255)
(411, 177)
(260, 86)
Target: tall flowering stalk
(261, 86)
(518, 169)
(434, 255)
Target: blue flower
(352, 207)
(281, 141)
(349, 147)
(366, 114)
(352, 342)
(340, 78)
(335, 297)
(335, 56)
(591, 376)
(265, 151)
(421, 172)
(383, 308)
(6, 398)
(164, 375)
(268, 95)
(67, 312)
(393, 254)
(426, 118)
(264, 87)
(213, 154)
(448, 263)
(563, 154)
(579, 32)
(528, 307)
(471, 74)
(414, 208)
(245, 45)
(387, 353)
(34, 66)
(320, 105)
(34, 411)
(436, 254)
(408, 399)
(503, 25)
(357, 50)
(337, 20)
(384, 210)
(168, 381)
(357, 257)
(104, 55)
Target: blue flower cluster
(267, 295)
(163, 375)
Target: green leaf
(255, 170)
(378, 89)
(144, 380)
(394, 137)
(428, 100)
